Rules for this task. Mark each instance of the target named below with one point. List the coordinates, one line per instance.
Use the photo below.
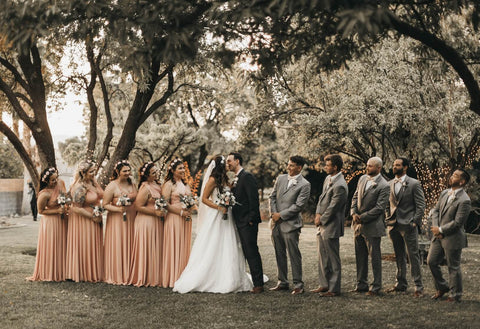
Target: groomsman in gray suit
(407, 205)
(448, 220)
(289, 196)
(330, 221)
(368, 212)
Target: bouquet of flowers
(62, 200)
(226, 199)
(188, 202)
(160, 204)
(98, 211)
(124, 201)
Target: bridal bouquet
(62, 200)
(226, 199)
(161, 204)
(124, 201)
(188, 202)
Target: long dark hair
(171, 169)
(118, 167)
(45, 177)
(219, 173)
(144, 172)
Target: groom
(247, 217)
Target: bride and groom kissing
(217, 259)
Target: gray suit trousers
(329, 266)
(365, 247)
(435, 258)
(406, 236)
(283, 243)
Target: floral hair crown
(223, 160)
(49, 172)
(144, 167)
(124, 162)
(173, 163)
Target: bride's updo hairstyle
(219, 173)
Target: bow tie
(397, 180)
(291, 178)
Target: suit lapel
(361, 191)
(443, 204)
(402, 190)
(284, 188)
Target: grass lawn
(26, 304)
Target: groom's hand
(276, 216)
(318, 219)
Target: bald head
(374, 166)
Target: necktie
(290, 181)
(397, 185)
(369, 182)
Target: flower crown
(223, 160)
(173, 163)
(124, 162)
(49, 172)
(144, 167)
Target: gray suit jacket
(370, 205)
(451, 218)
(409, 205)
(331, 205)
(289, 202)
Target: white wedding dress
(216, 263)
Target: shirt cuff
(440, 229)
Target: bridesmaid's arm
(107, 200)
(167, 194)
(141, 202)
(42, 204)
(78, 197)
(208, 192)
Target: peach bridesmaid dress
(118, 242)
(52, 242)
(146, 262)
(177, 238)
(85, 242)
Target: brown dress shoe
(418, 294)
(279, 287)
(439, 294)
(330, 294)
(453, 299)
(297, 291)
(372, 293)
(319, 289)
(257, 290)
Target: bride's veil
(202, 208)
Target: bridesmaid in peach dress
(177, 230)
(52, 234)
(146, 263)
(85, 234)
(119, 228)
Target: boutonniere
(404, 184)
(232, 179)
(235, 181)
(294, 182)
(373, 184)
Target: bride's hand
(223, 210)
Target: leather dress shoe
(395, 289)
(418, 294)
(297, 291)
(319, 289)
(439, 294)
(279, 287)
(372, 293)
(453, 299)
(330, 294)
(359, 290)
(257, 290)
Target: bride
(216, 263)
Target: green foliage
(11, 165)
(73, 150)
